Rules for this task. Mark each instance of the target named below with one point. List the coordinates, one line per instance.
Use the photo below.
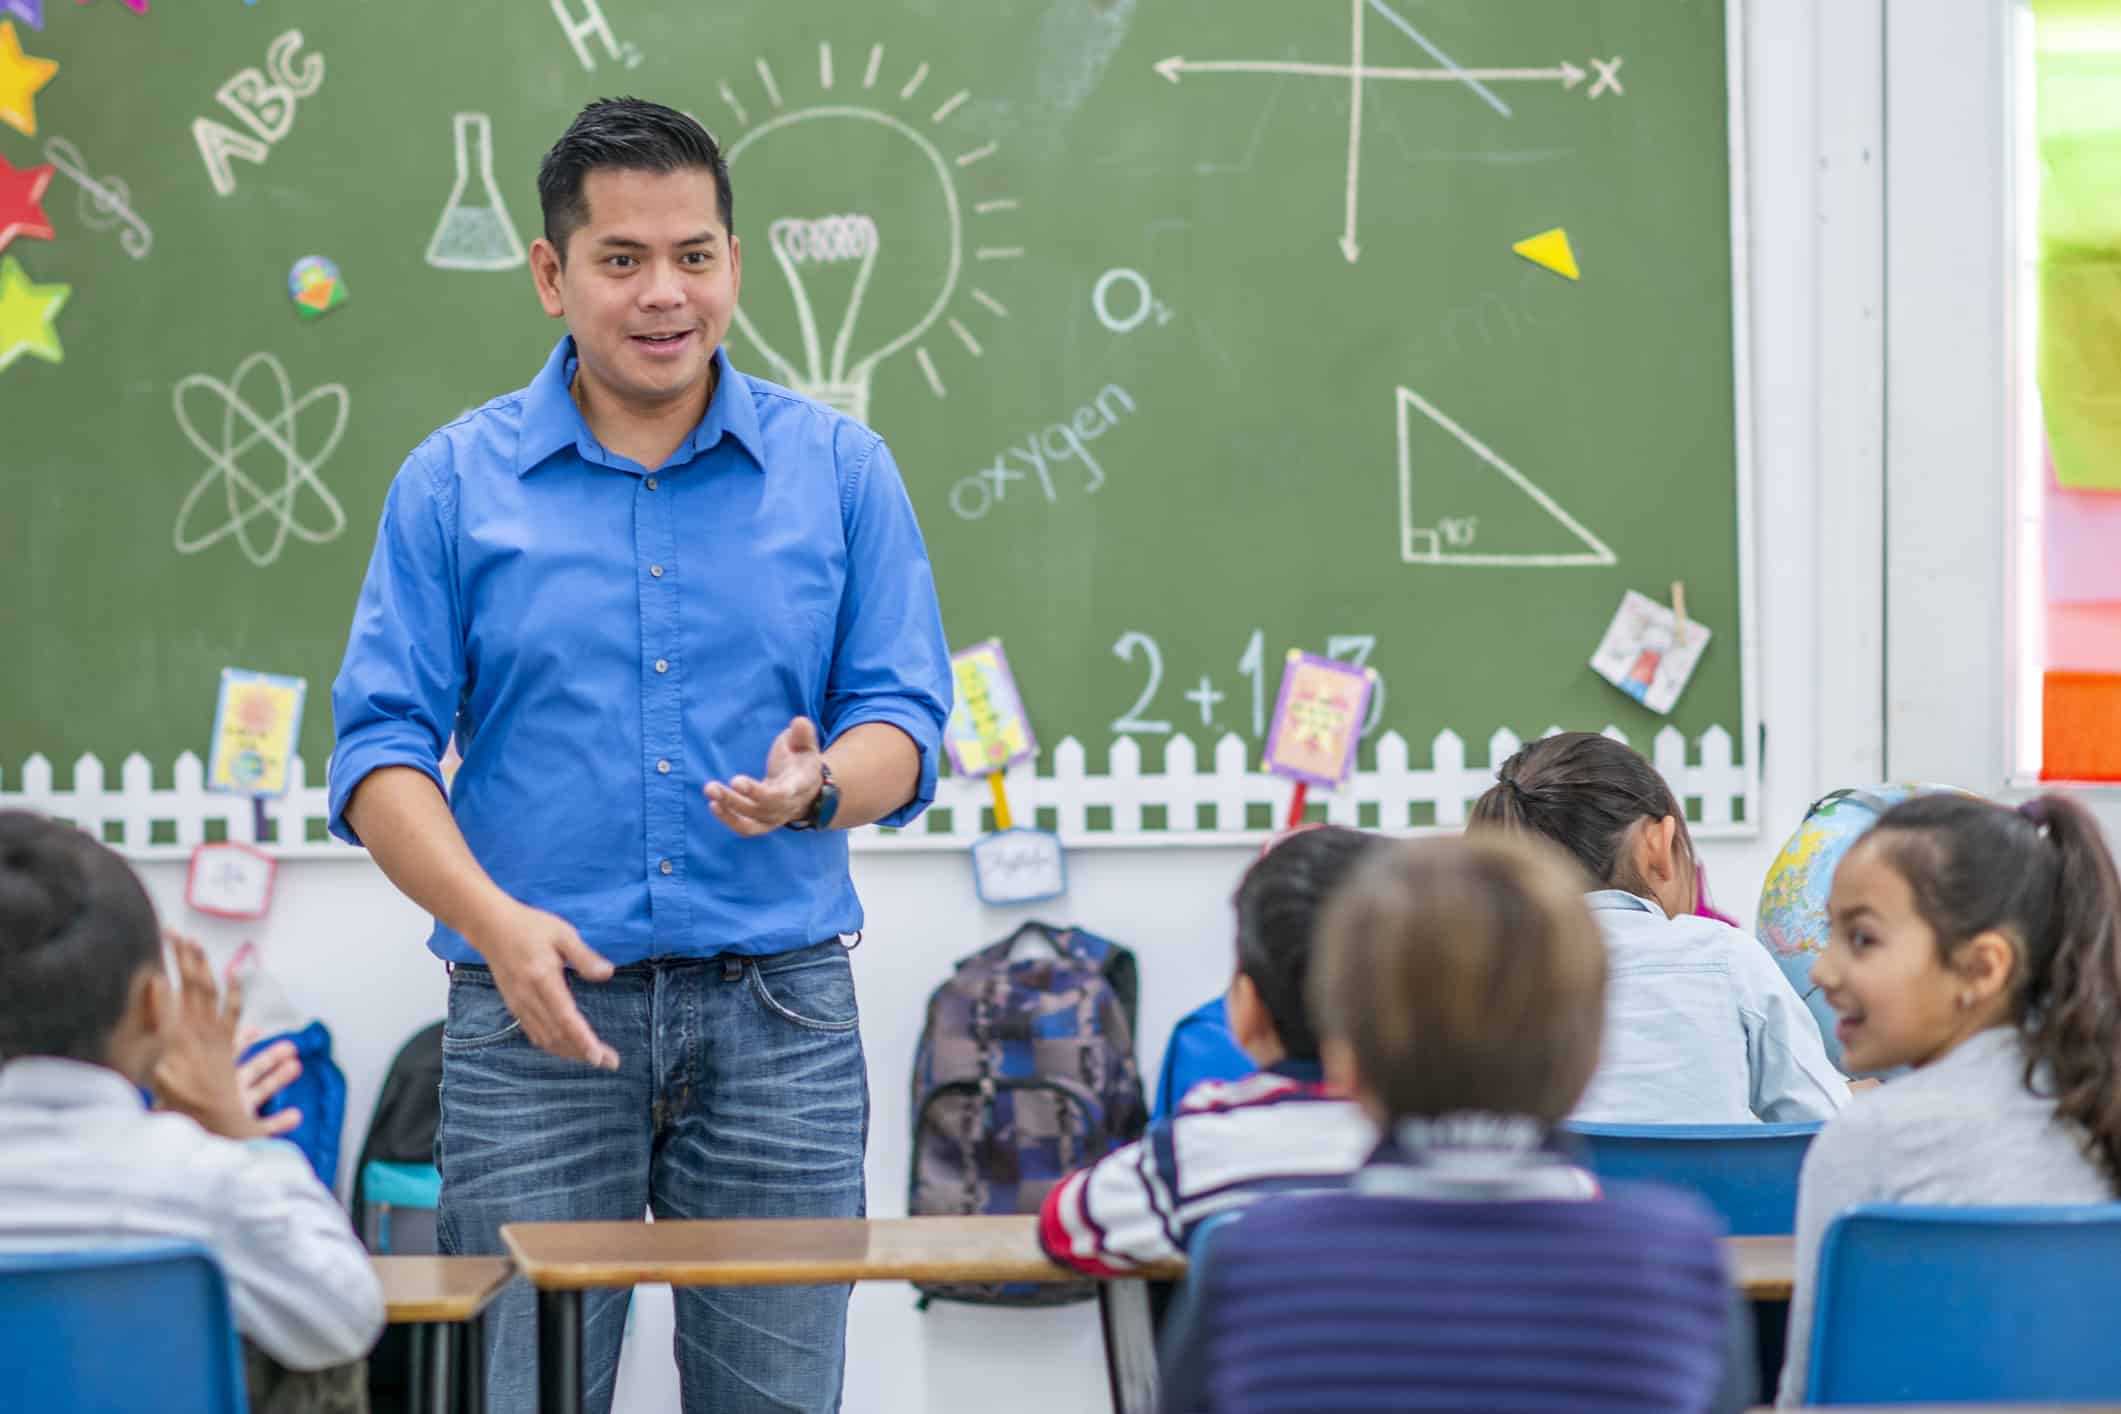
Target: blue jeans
(741, 1093)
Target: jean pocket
(477, 1017)
(816, 993)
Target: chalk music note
(104, 203)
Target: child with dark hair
(88, 1020)
(1232, 1141)
(1701, 1027)
(1977, 944)
(1458, 991)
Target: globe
(1793, 902)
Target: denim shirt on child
(1701, 1027)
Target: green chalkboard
(1196, 327)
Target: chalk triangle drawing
(1550, 250)
(1465, 532)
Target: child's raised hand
(197, 1073)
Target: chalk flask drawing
(475, 232)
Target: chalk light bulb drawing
(868, 238)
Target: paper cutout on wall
(22, 202)
(1647, 653)
(1549, 250)
(2081, 727)
(21, 75)
(2081, 535)
(28, 315)
(1317, 721)
(316, 287)
(988, 729)
(2084, 638)
(257, 722)
(30, 12)
(230, 880)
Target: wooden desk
(1762, 1267)
(442, 1301)
(786, 1252)
(562, 1260)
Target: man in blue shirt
(682, 624)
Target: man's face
(649, 284)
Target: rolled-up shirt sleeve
(890, 661)
(396, 695)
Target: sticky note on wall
(2081, 531)
(2084, 638)
(2081, 724)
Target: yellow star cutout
(20, 78)
(27, 312)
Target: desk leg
(559, 1352)
(471, 1365)
(1130, 1345)
(433, 1390)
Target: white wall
(349, 947)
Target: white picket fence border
(1719, 792)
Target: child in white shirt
(1701, 1027)
(88, 1020)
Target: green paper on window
(2079, 106)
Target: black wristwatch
(823, 806)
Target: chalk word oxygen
(264, 103)
(973, 496)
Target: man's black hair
(1278, 904)
(76, 928)
(627, 134)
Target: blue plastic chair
(120, 1330)
(1937, 1305)
(1746, 1172)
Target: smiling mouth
(662, 340)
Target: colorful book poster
(1647, 653)
(257, 722)
(1318, 719)
(988, 730)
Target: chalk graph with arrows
(1360, 71)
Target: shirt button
(662, 665)
(651, 483)
(662, 768)
(664, 866)
(656, 570)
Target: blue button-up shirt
(1700, 1027)
(603, 640)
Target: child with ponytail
(1976, 944)
(1701, 1027)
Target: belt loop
(732, 968)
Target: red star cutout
(21, 202)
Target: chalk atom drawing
(852, 285)
(260, 517)
(475, 232)
(1449, 535)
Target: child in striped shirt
(1230, 1142)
